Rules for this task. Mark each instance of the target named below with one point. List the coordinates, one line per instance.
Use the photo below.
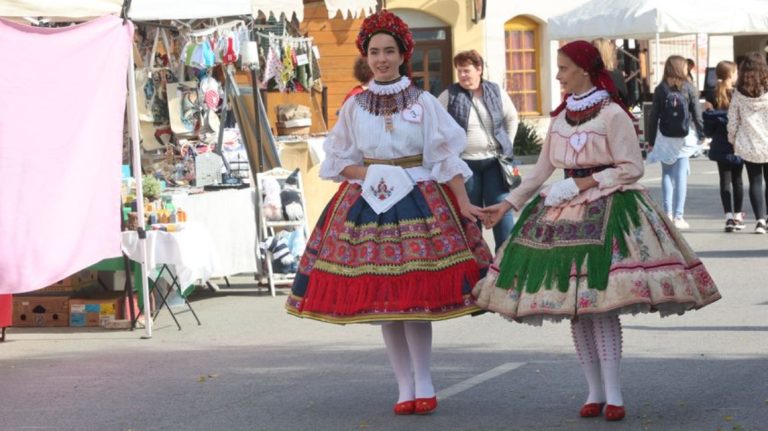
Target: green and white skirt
(618, 254)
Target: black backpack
(674, 117)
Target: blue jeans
(674, 185)
(487, 187)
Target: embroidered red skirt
(417, 261)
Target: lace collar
(388, 99)
(580, 102)
(389, 88)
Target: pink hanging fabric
(62, 110)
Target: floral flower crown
(385, 22)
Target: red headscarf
(587, 57)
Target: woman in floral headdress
(397, 244)
(594, 245)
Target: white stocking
(400, 358)
(584, 341)
(607, 331)
(419, 337)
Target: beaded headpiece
(385, 21)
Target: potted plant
(527, 142)
(150, 186)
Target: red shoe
(591, 410)
(425, 406)
(405, 408)
(614, 413)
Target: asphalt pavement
(250, 366)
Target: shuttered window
(522, 80)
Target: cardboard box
(112, 280)
(40, 311)
(92, 312)
(73, 282)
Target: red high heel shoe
(591, 410)
(614, 413)
(425, 406)
(405, 408)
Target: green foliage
(527, 141)
(150, 186)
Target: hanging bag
(509, 172)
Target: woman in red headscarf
(594, 245)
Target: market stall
(138, 10)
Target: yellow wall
(335, 38)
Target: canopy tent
(656, 19)
(649, 19)
(146, 10)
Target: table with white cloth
(230, 218)
(185, 255)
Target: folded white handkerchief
(384, 186)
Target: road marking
(480, 378)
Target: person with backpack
(748, 129)
(675, 132)
(729, 165)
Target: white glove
(561, 191)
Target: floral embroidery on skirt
(618, 254)
(416, 261)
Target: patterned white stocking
(607, 331)
(586, 350)
(400, 358)
(419, 337)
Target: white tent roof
(644, 19)
(145, 10)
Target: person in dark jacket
(729, 166)
(486, 112)
(674, 151)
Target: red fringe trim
(415, 291)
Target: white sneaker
(681, 224)
(760, 228)
(670, 217)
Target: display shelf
(273, 227)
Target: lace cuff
(607, 178)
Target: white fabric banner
(61, 140)
(147, 10)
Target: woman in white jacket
(748, 129)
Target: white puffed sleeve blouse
(423, 128)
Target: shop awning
(648, 19)
(146, 10)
